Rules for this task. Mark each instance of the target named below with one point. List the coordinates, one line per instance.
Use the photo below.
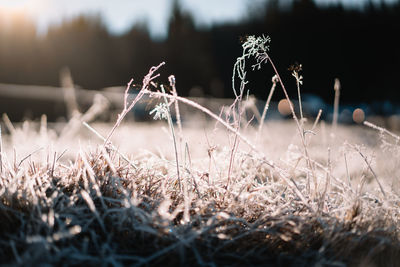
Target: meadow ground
(266, 207)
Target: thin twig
(370, 168)
(271, 92)
(347, 170)
(171, 127)
(172, 82)
(69, 93)
(299, 126)
(382, 130)
(9, 124)
(146, 81)
(336, 104)
(22, 160)
(295, 74)
(327, 181)
(206, 111)
(316, 120)
(54, 163)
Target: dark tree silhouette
(358, 46)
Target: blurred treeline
(359, 46)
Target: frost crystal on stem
(161, 112)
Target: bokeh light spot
(358, 115)
(284, 107)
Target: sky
(120, 15)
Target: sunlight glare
(27, 7)
(13, 5)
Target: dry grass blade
(382, 130)
(336, 105)
(9, 124)
(370, 168)
(206, 111)
(271, 92)
(110, 145)
(171, 126)
(69, 93)
(172, 83)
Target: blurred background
(45, 45)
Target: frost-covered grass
(92, 207)
(221, 192)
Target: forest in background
(361, 47)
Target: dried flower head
(161, 112)
(296, 67)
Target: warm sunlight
(175, 132)
(27, 7)
(13, 5)
(22, 12)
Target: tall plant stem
(171, 126)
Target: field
(211, 190)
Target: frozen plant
(256, 47)
(160, 112)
